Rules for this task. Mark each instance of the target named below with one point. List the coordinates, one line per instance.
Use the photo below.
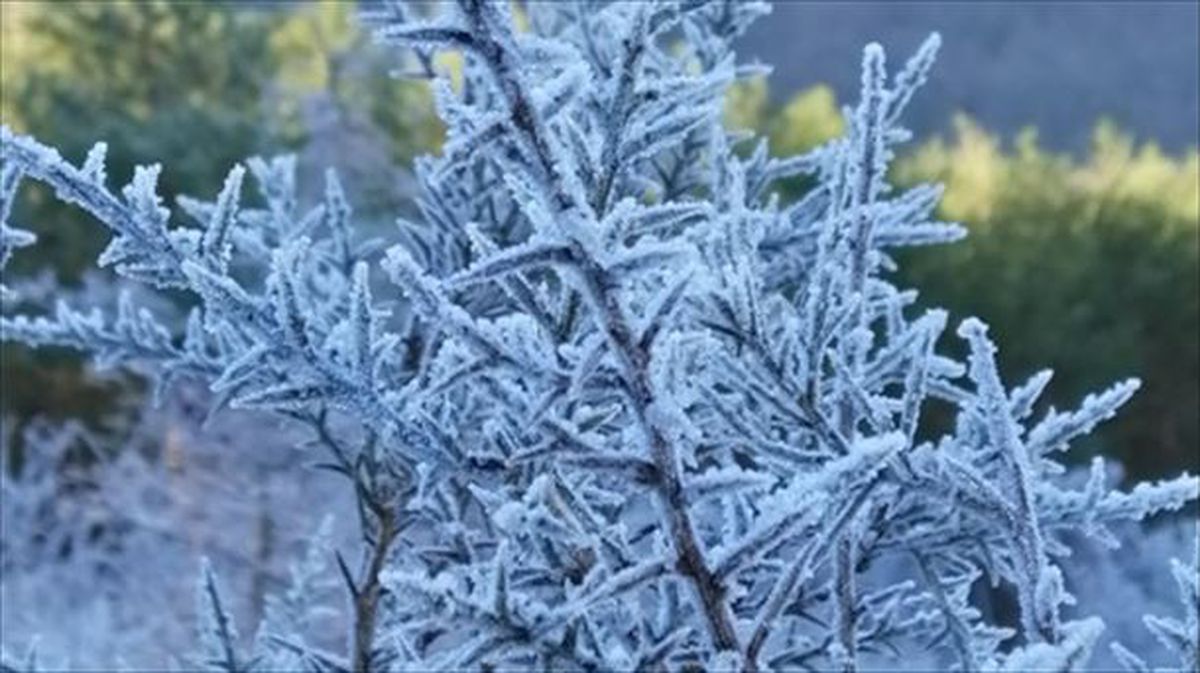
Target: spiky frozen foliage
(1180, 637)
(11, 238)
(608, 404)
(99, 553)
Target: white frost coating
(1071, 653)
(618, 408)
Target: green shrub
(1105, 246)
(133, 74)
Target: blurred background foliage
(1086, 264)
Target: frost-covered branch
(605, 403)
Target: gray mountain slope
(1058, 66)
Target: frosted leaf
(215, 243)
(218, 635)
(1070, 654)
(1057, 429)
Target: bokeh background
(1065, 134)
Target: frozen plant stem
(1039, 611)
(367, 593)
(492, 38)
(847, 603)
(379, 528)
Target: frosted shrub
(100, 548)
(608, 404)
